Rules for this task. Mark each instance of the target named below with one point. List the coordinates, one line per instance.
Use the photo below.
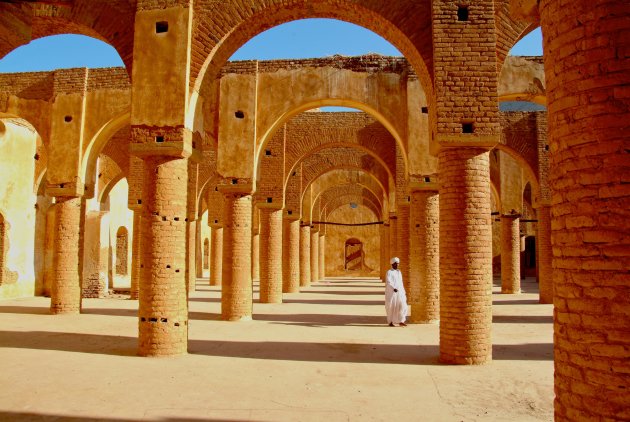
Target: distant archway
(122, 249)
(353, 254)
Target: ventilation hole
(176, 218)
(269, 200)
(36, 157)
(176, 271)
(427, 179)
(67, 119)
(168, 266)
(139, 201)
(546, 147)
(417, 225)
(62, 185)
(161, 27)
(186, 219)
(177, 324)
(141, 265)
(294, 173)
(164, 319)
(143, 319)
(425, 110)
(156, 213)
(462, 13)
(239, 114)
(234, 181)
(468, 128)
(267, 152)
(159, 139)
(153, 319)
(194, 144)
(164, 218)
(290, 212)
(216, 221)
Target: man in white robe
(395, 296)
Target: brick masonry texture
(465, 256)
(216, 257)
(270, 255)
(291, 256)
(586, 46)
(510, 255)
(305, 256)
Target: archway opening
(353, 254)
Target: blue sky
(298, 39)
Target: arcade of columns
(433, 159)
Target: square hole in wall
(159, 139)
(425, 110)
(468, 127)
(161, 27)
(462, 13)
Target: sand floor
(325, 354)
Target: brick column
(544, 254)
(198, 250)
(305, 256)
(191, 246)
(385, 255)
(236, 297)
(270, 255)
(65, 295)
(393, 237)
(216, 254)
(163, 305)
(465, 256)
(586, 46)
(136, 254)
(314, 255)
(322, 256)
(424, 241)
(510, 254)
(256, 256)
(291, 256)
(402, 229)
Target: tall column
(291, 256)
(216, 254)
(236, 297)
(136, 254)
(163, 305)
(393, 236)
(465, 256)
(322, 255)
(270, 255)
(199, 263)
(586, 47)
(314, 255)
(305, 256)
(402, 227)
(191, 241)
(65, 295)
(510, 254)
(256, 256)
(424, 241)
(544, 254)
(385, 255)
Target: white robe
(395, 302)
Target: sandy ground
(325, 354)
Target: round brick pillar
(393, 238)
(191, 240)
(314, 256)
(199, 258)
(216, 255)
(236, 295)
(322, 257)
(544, 254)
(402, 228)
(163, 305)
(586, 46)
(385, 255)
(270, 255)
(424, 241)
(255, 256)
(465, 256)
(510, 255)
(305, 256)
(136, 254)
(291, 256)
(65, 295)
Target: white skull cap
(394, 259)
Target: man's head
(395, 261)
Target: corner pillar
(136, 254)
(385, 255)
(403, 241)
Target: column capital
(467, 140)
(72, 189)
(167, 141)
(237, 187)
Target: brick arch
(322, 162)
(329, 197)
(227, 28)
(358, 177)
(110, 21)
(509, 29)
(109, 175)
(109, 130)
(341, 201)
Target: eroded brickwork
(465, 256)
(544, 254)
